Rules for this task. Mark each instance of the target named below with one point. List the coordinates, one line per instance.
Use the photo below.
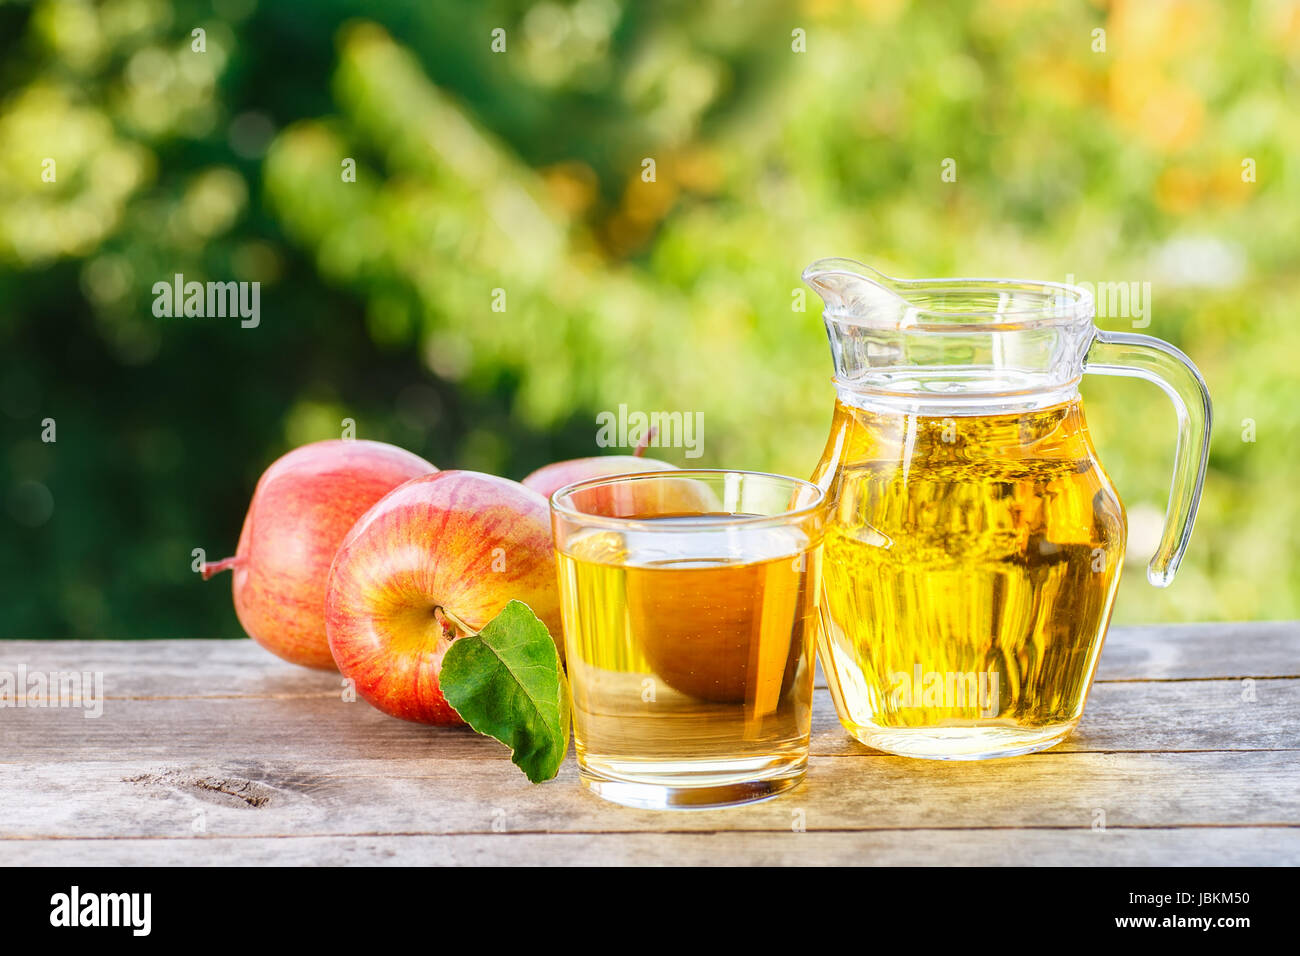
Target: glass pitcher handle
(1142, 356)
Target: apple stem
(216, 567)
(645, 441)
(450, 623)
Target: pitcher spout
(858, 294)
(852, 289)
(951, 344)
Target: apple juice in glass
(689, 601)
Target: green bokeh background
(1167, 157)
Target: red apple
(304, 505)
(550, 478)
(704, 634)
(435, 560)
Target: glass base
(693, 785)
(983, 741)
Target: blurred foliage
(482, 174)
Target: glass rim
(710, 523)
(1063, 303)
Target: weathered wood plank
(1245, 846)
(1122, 716)
(215, 751)
(1190, 715)
(1172, 716)
(211, 668)
(1197, 651)
(173, 668)
(239, 797)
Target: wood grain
(216, 752)
(1160, 847)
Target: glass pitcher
(973, 544)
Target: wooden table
(217, 752)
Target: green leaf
(507, 682)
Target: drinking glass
(690, 606)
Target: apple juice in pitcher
(971, 563)
(973, 543)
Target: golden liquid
(970, 568)
(687, 668)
